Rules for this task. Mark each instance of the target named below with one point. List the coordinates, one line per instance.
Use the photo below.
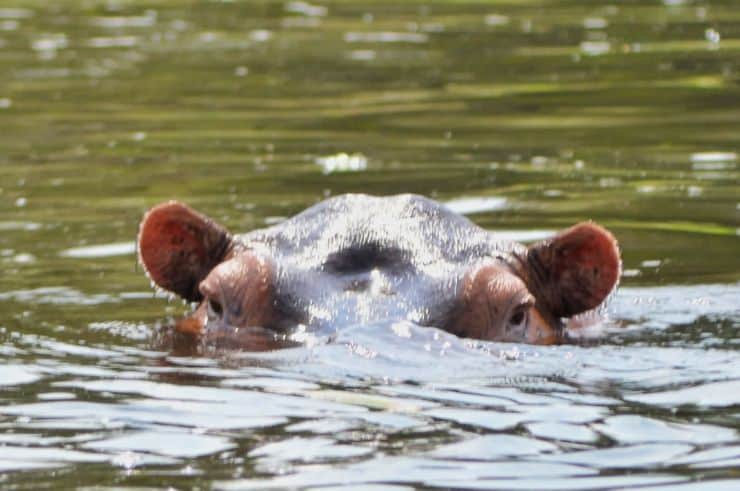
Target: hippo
(357, 258)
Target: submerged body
(360, 259)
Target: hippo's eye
(518, 318)
(214, 308)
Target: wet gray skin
(355, 259)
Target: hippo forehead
(358, 257)
(405, 232)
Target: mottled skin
(359, 259)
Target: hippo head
(359, 259)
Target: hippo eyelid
(521, 301)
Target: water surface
(527, 116)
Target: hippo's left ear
(574, 271)
(178, 247)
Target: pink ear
(574, 271)
(178, 247)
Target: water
(528, 116)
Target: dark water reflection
(525, 115)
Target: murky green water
(529, 115)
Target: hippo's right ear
(178, 247)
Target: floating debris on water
(595, 48)
(306, 9)
(343, 162)
(595, 23)
(260, 35)
(702, 157)
(113, 42)
(102, 250)
(496, 20)
(15, 13)
(469, 206)
(119, 22)
(712, 36)
(385, 37)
